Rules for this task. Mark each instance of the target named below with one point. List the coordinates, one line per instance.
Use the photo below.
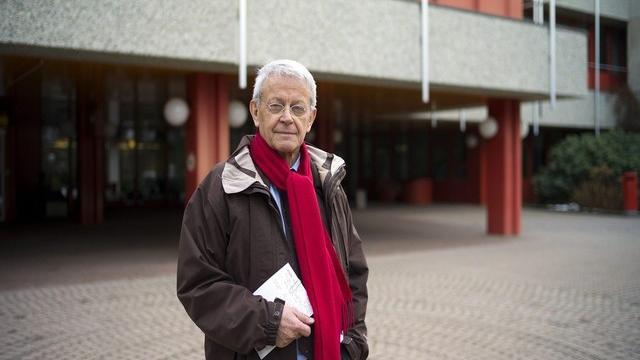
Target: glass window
(419, 150)
(145, 156)
(58, 139)
(2, 173)
(460, 154)
(120, 142)
(441, 153)
(150, 140)
(382, 155)
(401, 152)
(367, 156)
(618, 39)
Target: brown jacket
(232, 240)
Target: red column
(207, 138)
(630, 191)
(90, 149)
(504, 170)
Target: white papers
(285, 285)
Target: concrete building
(84, 88)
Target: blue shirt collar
(296, 164)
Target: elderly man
(275, 201)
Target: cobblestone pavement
(568, 288)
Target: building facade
(84, 89)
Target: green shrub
(597, 161)
(601, 190)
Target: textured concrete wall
(379, 40)
(614, 9)
(481, 51)
(471, 52)
(142, 31)
(345, 40)
(575, 113)
(633, 47)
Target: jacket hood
(240, 172)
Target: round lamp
(472, 141)
(237, 114)
(488, 128)
(176, 112)
(337, 136)
(524, 129)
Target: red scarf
(322, 275)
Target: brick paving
(568, 288)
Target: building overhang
(344, 41)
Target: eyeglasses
(278, 109)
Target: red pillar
(504, 169)
(207, 138)
(90, 149)
(630, 191)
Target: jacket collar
(240, 172)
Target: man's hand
(293, 325)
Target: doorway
(144, 156)
(3, 155)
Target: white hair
(285, 67)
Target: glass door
(144, 155)
(3, 155)
(57, 179)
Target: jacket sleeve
(358, 271)
(226, 312)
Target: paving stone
(568, 288)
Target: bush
(585, 164)
(600, 190)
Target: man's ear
(253, 109)
(312, 118)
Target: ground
(567, 288)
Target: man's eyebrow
(280, 101)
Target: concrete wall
(344, 40)
(147, 32)
(576, 113)
(484, 52)
(633, 47)
(614, 9)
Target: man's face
(283, 116)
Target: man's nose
(286, 115)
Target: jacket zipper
(332, 184)
(273, 207)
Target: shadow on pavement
(143, 242)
